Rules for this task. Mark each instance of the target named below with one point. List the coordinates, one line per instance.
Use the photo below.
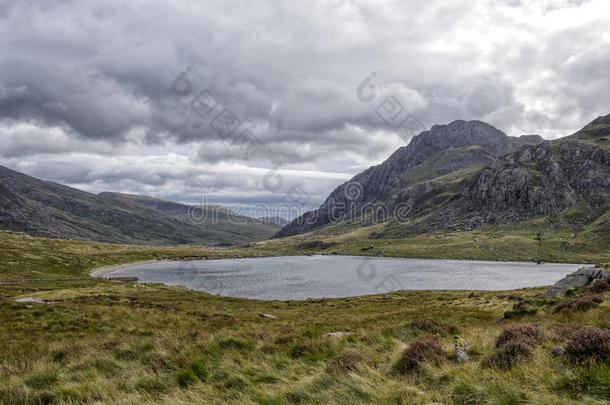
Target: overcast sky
(244, 101)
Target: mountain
(44, 208)
(433, 160)
(465, 174)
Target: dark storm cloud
(89, 83)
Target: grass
(110, 342)
(511, 242)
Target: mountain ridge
(472, 157)
(386, 183)
(44, 208)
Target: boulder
(585, 276)
(461, 349)
(557, 351)
(460, 354)
(337, 334)
(33, 300)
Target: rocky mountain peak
(413, 170)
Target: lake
(302, 277)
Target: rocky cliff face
(543, 179)
(427, 163)
(537, 180)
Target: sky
(274, 101)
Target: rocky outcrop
(542, 179)
(580, 278)
(536, 180)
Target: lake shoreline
(102, 272)
(301, 277)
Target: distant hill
(468, 173)
(44, 208)
(274, 220)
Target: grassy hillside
(443, 167)
(48, 209)
(107, 342)
(588, 243)
(219, 223)
(597, 132)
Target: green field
(109, 342)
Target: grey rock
(262, 315)
(585, 276)
(557, 351)
(32, 300)
(461, 355)
(337, 334)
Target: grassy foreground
(109, 342)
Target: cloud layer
(91, 93)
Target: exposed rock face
(534, 181)
(413, 170)
(580, 278)
(541, 180)
(460, 355)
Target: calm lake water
(302, 277)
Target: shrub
(582, 303)
(513, 351)
(186, 377)
(199, 369)
(150, 384)
(528, 333)
(589, 345)
(346, 361)
(601, 286)
(433, 327)
(516, 343)
(234, 343)
(59, 356)
(106, 367)
(41, 380)
(316, 245)
(520, 308)
(236, 383)
(43, 398)
(312, 350)
(195, 371)
(423, 349)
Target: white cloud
(85, 99)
